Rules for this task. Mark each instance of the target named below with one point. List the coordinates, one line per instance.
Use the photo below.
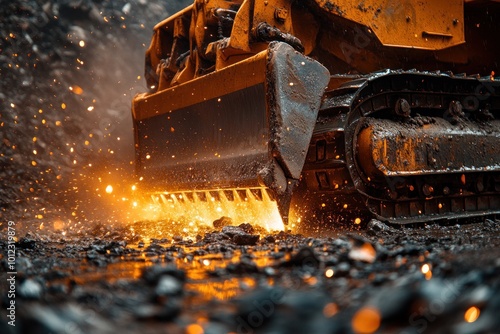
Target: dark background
(65, 123)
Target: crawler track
(407, 146)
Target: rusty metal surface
(211, 86)
(240, 138)
(295, 88)
(402, 145)
(207, 144)
(381, 140)
(389, 148)
(426, 24)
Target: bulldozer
(325, 110)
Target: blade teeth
(155, 199)
(222, 196)
(174, 198)
(212, 196)
(164, 199)
(265, 196)
(249, 194)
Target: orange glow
(220, 290)
(366, 320)
(472, 314)
(330, 310)
(194, 329)
(311, 280)
(365, 253)
(58, 225)
(426, 270)
(76, 89)
(204, 207)
(109, 189)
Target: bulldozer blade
(245, 126)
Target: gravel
(69, 69)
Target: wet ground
(72, 264)
(239, 279)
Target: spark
(472, 314)
(330, 310)
(194, 329)
(76, 89)
(366, 320)
(329, 273)
(109, 189)
(426, 270)
(81, 43)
